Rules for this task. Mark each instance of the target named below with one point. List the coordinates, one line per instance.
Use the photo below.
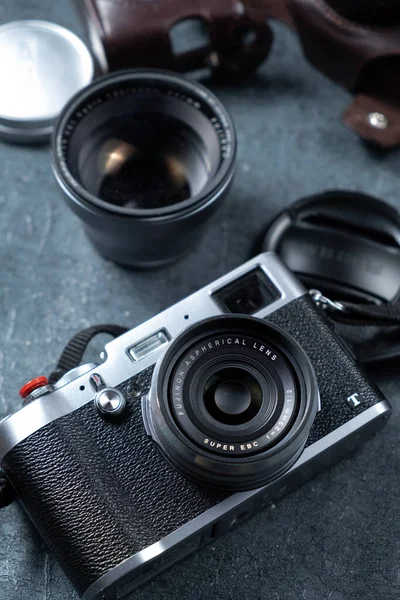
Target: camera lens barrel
(144, 158)
(232, 402)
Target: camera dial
(232, 402)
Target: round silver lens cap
(42, 65)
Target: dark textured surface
(338, 537)
(122, 496)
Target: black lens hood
(146, 237)
(224, 471)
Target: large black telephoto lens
(145, 159)
(232, 403)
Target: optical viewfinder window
(248, 294)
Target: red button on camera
(29, 387)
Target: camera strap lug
(326, 303)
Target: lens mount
(232, 402)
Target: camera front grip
(70, 358)
(99, 491)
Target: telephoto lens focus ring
(232, 403)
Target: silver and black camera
(196, 419)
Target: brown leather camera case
(136, 33)
(363, 58)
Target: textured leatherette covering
(100, 491)
(339, 377)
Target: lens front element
(232, 396)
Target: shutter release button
(110, 402)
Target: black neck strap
(369, 315)
(73, 352)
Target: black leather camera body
(195, 420)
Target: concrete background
(337, 538)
